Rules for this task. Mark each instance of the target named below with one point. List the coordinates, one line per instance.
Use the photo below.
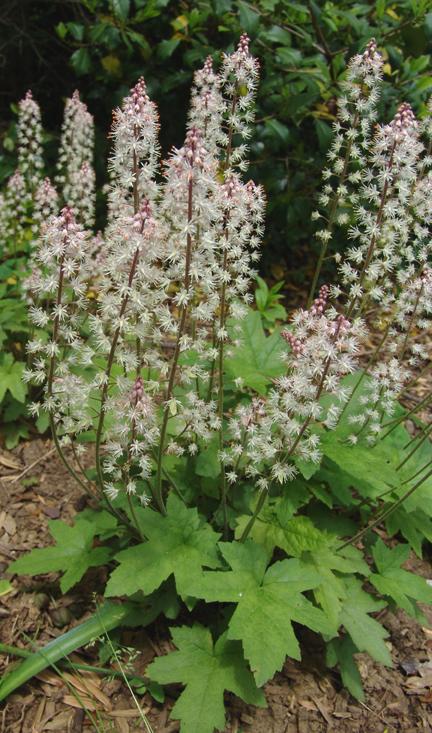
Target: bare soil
(303, 698)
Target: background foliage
(102, 46)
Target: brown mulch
(304, 698)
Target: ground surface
(303, 698)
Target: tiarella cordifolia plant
(204, 427)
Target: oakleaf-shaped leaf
(72, 554)
(267, 603)
(207, 670)
(403, 587)
(180, 543)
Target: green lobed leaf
(179, 544)
(403, 587)
(294, 535)
(258, 359)
(72, 554)
(207, 670)
(267, 602)
(330, 566)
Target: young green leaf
(341, 651)
(207, 670)
(267, 604)
(180, 544)
(294, 535)
(72, 554)
(403, 587)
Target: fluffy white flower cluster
(276, 432)
(75, 175)
(29, 196)
(29, 137)
(378, 194)
(172, 267)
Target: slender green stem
(417, 473)
(394, 423)
(415, 379)
(415, 448)
(385, 513)
(260, 503)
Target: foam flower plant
(232, 466)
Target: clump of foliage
(234, 467)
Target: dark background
(102, 46)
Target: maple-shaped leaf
(267, 603)
(180, 543)
(403, 587)
(258, 359)
(207, 670)
(367, 634)
(72, 554)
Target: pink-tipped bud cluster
(138, 100)
(404, 122)
(45, 202)
(319, 305)
(295, 343)
(243, 45)
(137, 391)
(366, 67)
(340, 326)
(192, 151)
(371, 54)
(232, 187)
(143, 218)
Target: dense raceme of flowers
(29, 136)
(145, 313)
(75, 176)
